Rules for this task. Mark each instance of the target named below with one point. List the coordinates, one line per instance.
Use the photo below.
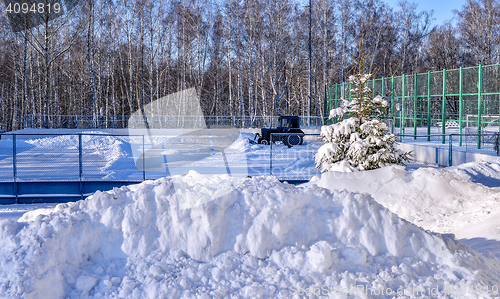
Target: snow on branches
(359, 140)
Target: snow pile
(54, 142)
(215, 236)
(16, 211)
(484, 172)
(241, 144)
(439, 200)
(68, 141)
(112, 150)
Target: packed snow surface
(197, 236)
(443, 201)
(484, 172)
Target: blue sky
(443, 9)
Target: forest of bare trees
(245, 57)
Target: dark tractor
(287, 124)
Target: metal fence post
(14, 166)
(460, 107)
(143, 160)
(271, 155)
(80, 164)
(383, 87)
(373, 87)
(403, 111)
(443, 108)
(450, 152)
(479, 115)
(392, 101)
(14, 149)
(336, 98)
(415, 108)
(330, 100)
(429, 90)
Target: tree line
(245, 57)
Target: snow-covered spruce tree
(359, 140)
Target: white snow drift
(443, 201)
(200, 236)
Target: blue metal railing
(31, 172)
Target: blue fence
(67, 167)
(59, 168)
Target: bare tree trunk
(90, 60)
(25, 76)
(47, 76)
(15, 101)
(228, 58)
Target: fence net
(422, 103)
(296, 162)
(6, 157)
(106, 157)
(158, 121)
(46, 157)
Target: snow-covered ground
(198, 236)
(393, 232)
(121, 157)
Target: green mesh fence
(442, 102)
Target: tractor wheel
(263, 141)
(292, 140)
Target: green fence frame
(453, 94)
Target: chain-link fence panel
(46, 157)
(109, 157)
(465, 97)
(157, 121)
(484, 143)
(464, 146)
(209, 151)
(292, 156)
(6, 158)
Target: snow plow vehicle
(288, 124)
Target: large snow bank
(444, 201)
(200, 236)
(484, 172)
